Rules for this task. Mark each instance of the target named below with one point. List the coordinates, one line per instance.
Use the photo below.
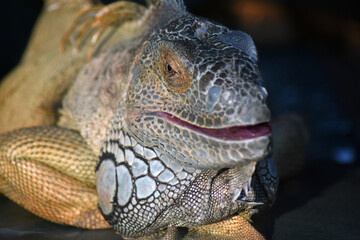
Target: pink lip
(230, 133)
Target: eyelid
(178, 80)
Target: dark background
(310, 59)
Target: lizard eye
(169, 71)
(175, 75)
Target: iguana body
(169, 110)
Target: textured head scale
(197, 85)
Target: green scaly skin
(175, 108)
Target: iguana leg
(50, 172)
(236, 227)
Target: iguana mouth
(234, 133)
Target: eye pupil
(169, 71)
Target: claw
(252, 204)
(241, 193)
(237, 193)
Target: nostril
(228, 97)
(261, 87)
(263, 90)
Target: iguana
(151, 120)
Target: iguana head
(197, 96)
(184, 143)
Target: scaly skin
(169, 110)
